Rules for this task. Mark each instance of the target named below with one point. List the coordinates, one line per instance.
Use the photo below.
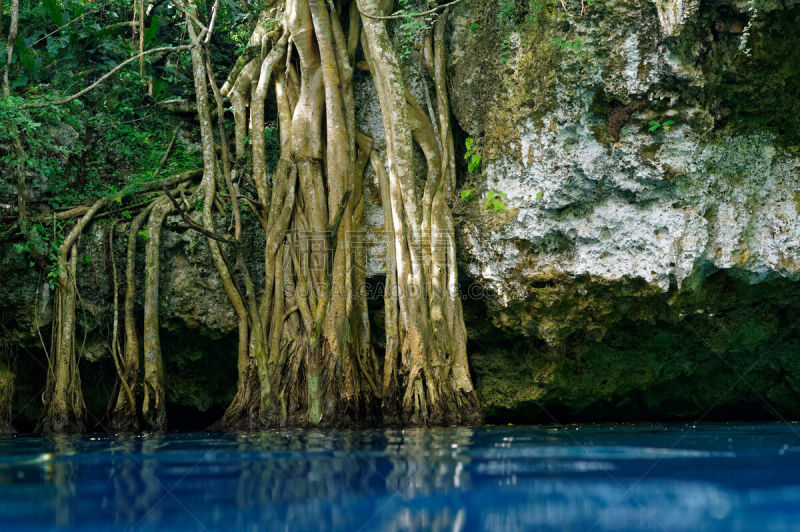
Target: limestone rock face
(622, 172)
(672, 14)
(638, 173)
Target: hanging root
(304, 352)
(63, 398)
(303, 358)
(6, 388)
(426, 373)
(125, 417)
(153, 401)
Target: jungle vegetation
(264, 88)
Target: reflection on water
(711, 477)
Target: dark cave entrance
(200, 376)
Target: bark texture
(426, 374)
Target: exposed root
(426, 373)
(6, 388)
(63, 398)
(126, 389)
(304, 353)
(153, 400)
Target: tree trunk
(6, 397)
(426, 377)
(63, 398)
(153, 401)
(308, 360)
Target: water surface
(603, 477)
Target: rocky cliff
(645, 265)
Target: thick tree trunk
(426, 377)
(308, 359)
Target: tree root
(153, 400)
(6, 388)
(426, 373)
(304, 351)
(63, 398)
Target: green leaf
(467, 194)
(88, 260)
(158, 87)
(54, 11)
(25, 55)
(494, 200)
(152, 30)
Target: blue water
(604, 477)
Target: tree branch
(39, 105)
(412, 15)
(196, 226)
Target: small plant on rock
(472, 156)
(494, 200)
(655, 125)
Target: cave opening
(200, 376)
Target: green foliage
(108, 142)
(33, 127)
(42, 244)
(655, 125)
(743, 43)
(472, 156)
(506, 10)
(144, 234)
(54, 11)
(468, 194)
(411, 25)
(505, 48)
(494, 200)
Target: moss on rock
(724, 350)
